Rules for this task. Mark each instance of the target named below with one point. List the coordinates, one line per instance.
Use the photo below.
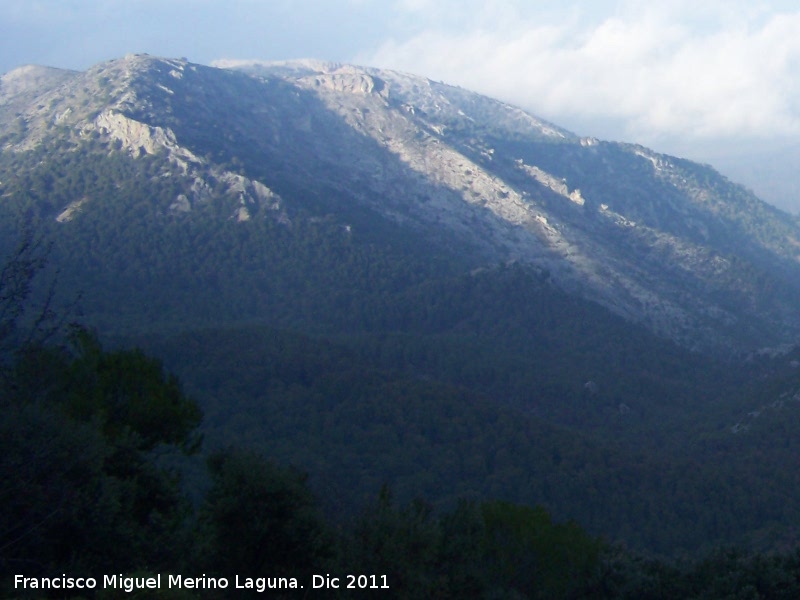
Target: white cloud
(672, 69)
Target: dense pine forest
(317, 392)
(104, 472)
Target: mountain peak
(28, 81)
(301, 67)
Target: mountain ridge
(660, 240)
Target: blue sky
(715, 80)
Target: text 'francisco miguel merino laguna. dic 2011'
(259, 584)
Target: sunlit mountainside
(662, 241)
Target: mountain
(381, 278)
(659, 240)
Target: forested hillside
(340, 344)
(383, 390)
(663, 242)
(91, 471)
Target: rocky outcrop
(139, 138)
(72, 209)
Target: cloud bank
(670, 70)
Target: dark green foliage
(723, 574)
(259, 519)
(352, 424)
(491, 550)
(536, 557)
(462, 553)
(77, 491)
(80, 487)
(130, 395)
(50, 468)
(404, 544)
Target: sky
(712, 80)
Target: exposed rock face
(71, 210)
(657, 239)
(139, 138)
(135, 136)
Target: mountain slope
(660, 240)
(655, 238)
(335, 258)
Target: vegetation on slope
(365, 353)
